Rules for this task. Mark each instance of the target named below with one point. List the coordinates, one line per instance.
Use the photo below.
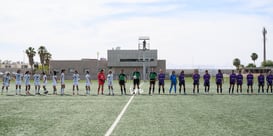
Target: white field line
(110, 130)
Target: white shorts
(18, 83)
(6, 84)
(87, 84)
(110, 83)
(76, 83)
(36, 83)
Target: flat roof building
(142, 58)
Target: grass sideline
(147, 115)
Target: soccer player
(182, 82)
(18, 82)
(152, 77)
(136, 81)
(110, 79)
(6, 82)
(249, 79)
(196, 78)
(173, 82)
(261, 79)
(232, 80)
(27, 82)
(219, 81)
(269, 79)
(44, 82)
(87, 83)
(206, 78)
(101, 80)
(62, 81)
(54, 82)
(239, 80)
(122, 81)
(37, 86)
(161, 79)
(76, 78)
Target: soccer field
(146, 115)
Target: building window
(135, 60)
(71, 70)
(86, 69)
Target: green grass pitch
(213, 114)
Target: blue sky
(187, 33)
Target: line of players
(219, 80)
(153, 77)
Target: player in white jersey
(54, 82)
(18, 81)
(36, 78)
(44, 82)
(27, 82)
(110, 82)
(87, 83)
(76, 78)
(6, 81)
(62, 82)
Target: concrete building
(128, 60)
(83, 65)
(142, 58)
(117, 60)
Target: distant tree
(42, 52)
(268, 63)
(254, 57)
(251, 65)
(30, 51)
(48, 57)
(236, 63)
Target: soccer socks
(62, 91)
(111, 92)
(163, 90)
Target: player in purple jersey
(249, 79)
(182, 81)
(195, 78)
(239, 80)
(261, 79)
(219, 81)
(161, 78)
(206, 78)
(269, 79)
(232, 80)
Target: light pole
(264, 42)
(143, 46)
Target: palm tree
(254, 57)
(30, 51)
(48, 57)
(42, 51)
(236, 63)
